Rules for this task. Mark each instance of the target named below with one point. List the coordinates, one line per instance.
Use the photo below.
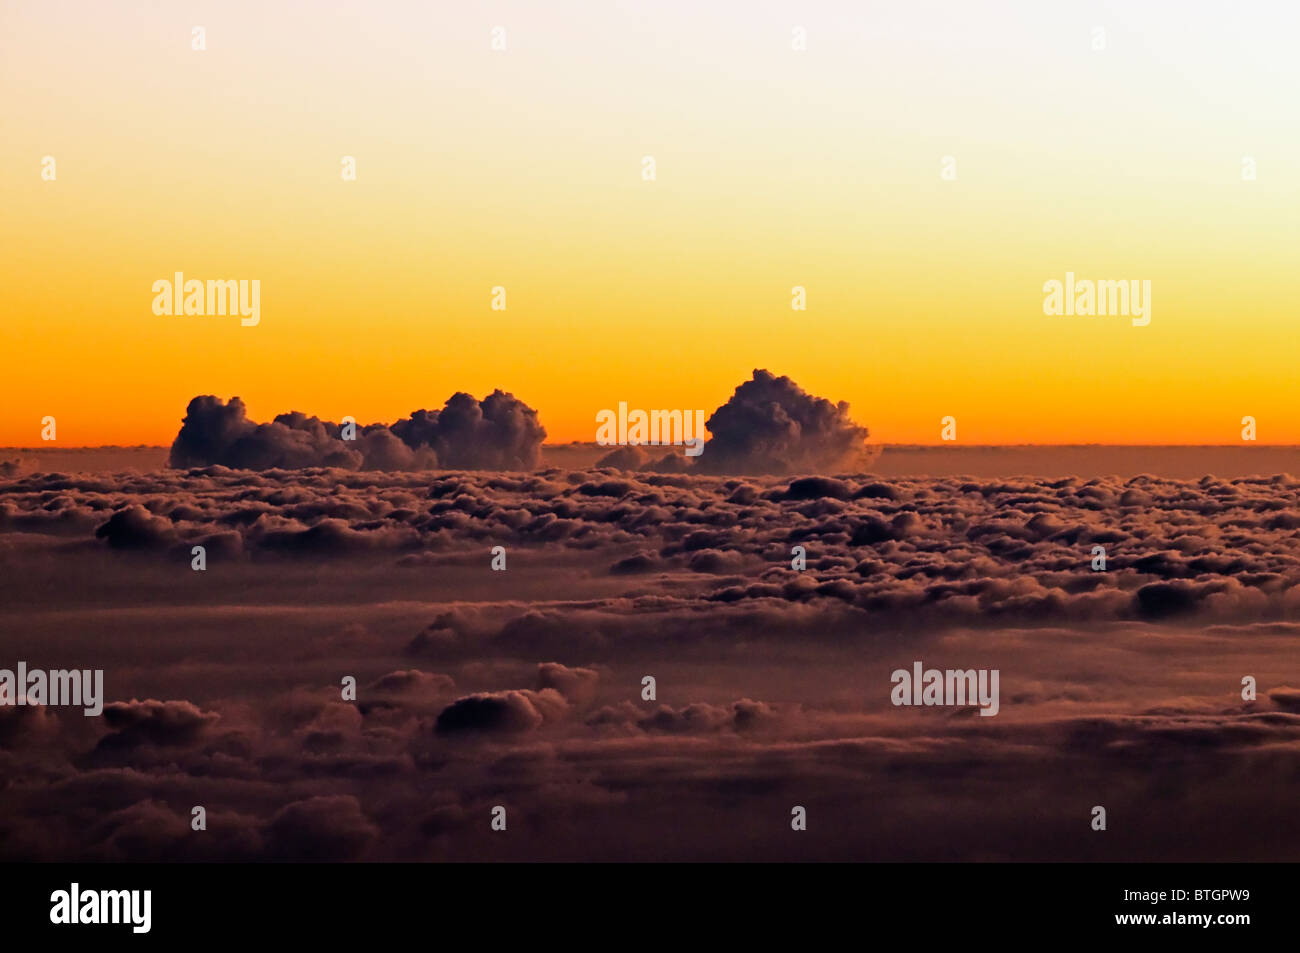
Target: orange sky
(522, 168)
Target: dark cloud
(1159, 600)
(26, 725)
(624, 458)
(320, 828)
(633, 457)
(771, 425)
(1286, 698)
(498, 432)
(155, 722)
(500, 712)
(214, 432)
(577, 685)
(134, 527)
(412, 680)
(816, 488)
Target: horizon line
(945, 445)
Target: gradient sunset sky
(775, 168)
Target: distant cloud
(772, 425)
(134, 527)
(499, 432)
(501, 712)
(324, 827)
(214, 432)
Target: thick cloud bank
(915, 549)
(499, 432)
(769, 612)
(772, 425)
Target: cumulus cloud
(578, 685)
(772, 425)
(499, 432)
(215, 432)
(155, 722)
(625, 458)
(412, 680)
(134, 527)
(501, 712)
(325, 827)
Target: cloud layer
(932, 550)
(524, 688)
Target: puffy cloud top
(499, 432)
(772, 425)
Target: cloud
(934, 549)
(214, 432)
(507, 712)
(155, 722)
(134, 527)
(633, 457)
(1286, 698)
(577, 685)
(411, 681)
(771, 425)
(498, 432)
(1109, 687)
(27, 724)
(325, 827)
(147, 830)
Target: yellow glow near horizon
(774, 169)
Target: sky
(775, 168)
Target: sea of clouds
(769, 588)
